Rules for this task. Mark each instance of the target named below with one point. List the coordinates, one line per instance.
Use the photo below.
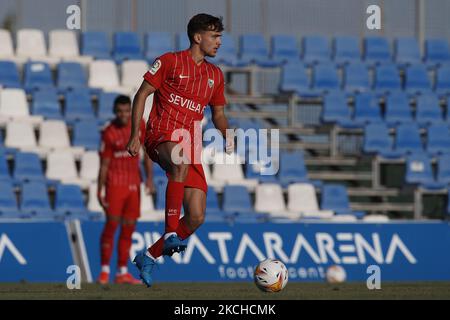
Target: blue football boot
(145, 265)
(173, 244)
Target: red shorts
(124, 201)
(195, 177)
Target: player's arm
(148, 167)
(144, 91)
(220, 121)
(101, 181)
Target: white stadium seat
(6, 47)
(227, 169)
(21, 135)
(90, 165)
(302, 198)
(269, 198)
(148, 212)
(103, 74)
(54, 135)
(93, 204)
(376, 218)
(31, 45)
(132, 73)
(14, 106)
(63, 44)
(344, 218)
(61, 166)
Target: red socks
(125, 243)
(183, 232)
(107, 241)
(174, 201)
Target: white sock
(123, 270)
(105, 268)
(149, 255)
(169, 234)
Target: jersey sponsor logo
(186, 103)
(210, 83)
(121, 154)
(155, 67)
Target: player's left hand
(149, 186)
(229, 141)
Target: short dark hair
(121, 99)
(203, 22)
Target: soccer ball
(336, 274)
(271, 275)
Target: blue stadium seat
(378, 141)
(356, 77)
(335, 109)
(212, 201)
(78, 105)
(442, 82)
(367, 109)
(4, 170)
(157, 43)
(86, 134)
(437, 51)
(9, 75)
(28, 167)
(407, 51)
(127, 45)
(182, 41)
(34, 200)
(254, 49)
(346, 49)
(70, 75)
(294, 78)
(417, 81)
(315, 49)
(407, 139)
(227, 53)
(325, 77)
(69, 200)
(438, 139)
(334, 197)
(428, 110)
(292, 168)
(236, 199)
(105, 105)
(377, 50)
(419, 171)
(45, 103)
(95, 44)
(8, 201)
(387, 79)
(253, 171)
(284, 48)
(397, 109)
(443, 169)
(37, 75)
(160, 200)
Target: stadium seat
(148, 212)
(438, 139)
(95, 44)
(61, 166)
(256, 170)
(302, 199)
(387, 79)
(14, 105)
(54, 135)
(45, 104)
(292, 168)
(69, 200)
(442, 80)
(35, 200)
(428, 110)
(25, 131)
(236, 199)
(105, 105)
(63, 44)
(315, 49)
(127, 45)
(294, 78)
(443, 169)
(335, 109)
(90, 165)
(284, 48)
(93, 205)
(9, 75)
(334, 197)
(4, 170)
(160, 200)
(406, 51)
(70, 75)
(419, 171)
(8, 200)
(356, 77)
(132, 74)
(31, 45)
(7, 48)
(378, 141)
(78, 105)
(86, 134)
(346, 49)
(37, 76)
(377, 50)
(397, 109)
(103, 74)
(407, 139)
(156, 44)
(227, 54)
(269, 199)
(227, 169)
(28, 167)
(325, 77)
(437, 51)
(254, 50)
(417, 80)
(367, 109)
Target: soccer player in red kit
(183, 83)
(118, 190)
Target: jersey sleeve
(218, 97)
(159, 70)
(106, 150)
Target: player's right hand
(133, 146)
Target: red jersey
(184, 89)
(123, 169)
